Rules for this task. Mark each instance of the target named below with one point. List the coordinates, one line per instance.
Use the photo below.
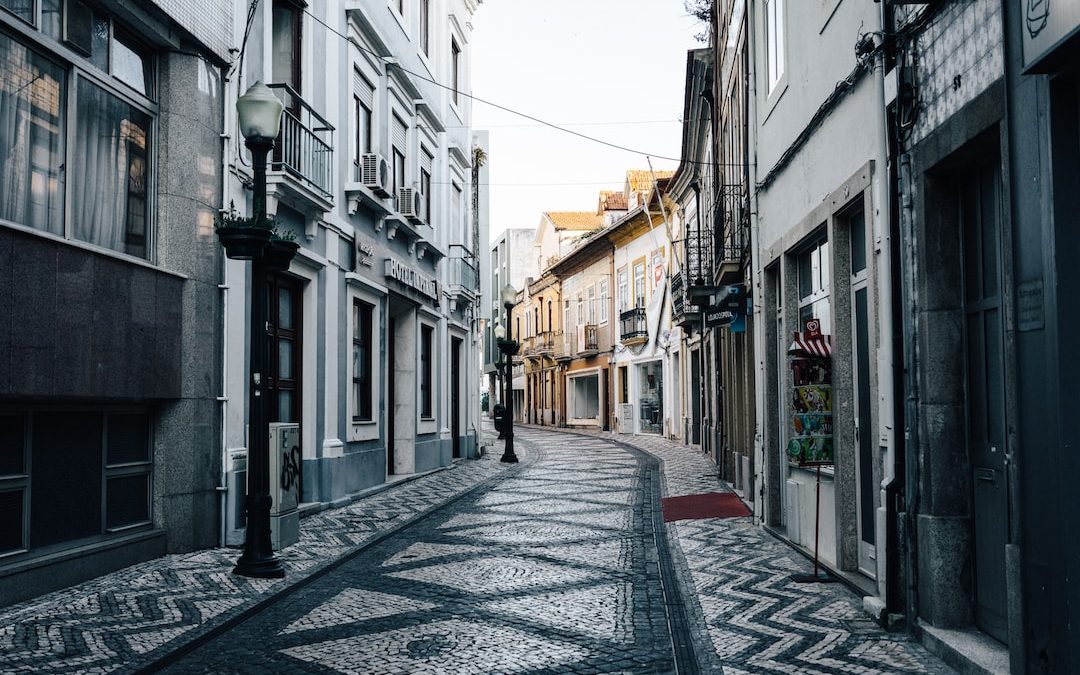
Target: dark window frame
(455, 68)
(362, 338)
(427, 339)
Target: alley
(563, 565)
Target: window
(400, 4)
(774, 42)
(592, 305)
(425, 26)
(603, 301)
(814, 270)
(425, 371)
(362, 374)
(580, 310)
(456, 216)
(108, 163)
(455, 69)
(70, 474)
(363, 105)
(639, 283)
(624, 291)
(285, 48)
(586, 397)
(399, 140)
(427, 161)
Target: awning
(819, 346)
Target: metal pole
(258, 559)
(508, 453)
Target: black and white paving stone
(552, 570)
(557, 565)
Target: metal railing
(633, 324)
(462, 272)
(305, 145)
(591, 341)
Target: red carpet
(708, 505)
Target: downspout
(757, 289)
(223, 397)
(883, 250)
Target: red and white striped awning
(816, 345)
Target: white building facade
(374, 328)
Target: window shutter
(365, 91)
(399, 135)
(426, 161)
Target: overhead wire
(512, 111)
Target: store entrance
(651, 397)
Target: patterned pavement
(556, 565)
(756, 619)
(130, 619)
(553, 570)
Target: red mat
(708, 505)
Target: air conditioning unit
(410, 203)
(375, 173)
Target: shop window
(651, 397)
(108, 172)
(362, 373)
(586, 390)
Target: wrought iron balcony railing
(633, 324)
(305, 144)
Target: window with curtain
(107, 167)
(603, 301)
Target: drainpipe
(223, 398)
(883, 251)
(757, 287)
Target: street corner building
(110, 337)
(124, 339)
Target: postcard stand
(811, 441)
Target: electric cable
(512, 111)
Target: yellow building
(542, 338)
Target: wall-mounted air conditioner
(375, 173)
(410, 203)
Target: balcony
(301, 165)
(683, 313)
(462, 277)
(542, 344)
(634, 327)
(733, 221)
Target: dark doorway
(283, 369)
(455, 395)
(390, 398)
(695, 397)
(980, 216)
(606, 399)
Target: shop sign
(410, 277)
(1046, 25)
(719, 316)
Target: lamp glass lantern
(259, 112)
(508, 295)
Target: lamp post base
(258, 559)
(265, 568)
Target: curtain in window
(31, 133)
(109, 181)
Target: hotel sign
(410, 277)
(1047, 24)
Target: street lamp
(508, 347)
(259, 112)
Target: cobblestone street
(559, 564)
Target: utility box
(285, 461)
(235, 492)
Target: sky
(612, 69)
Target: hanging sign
(1047, 25)
(719, 316)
